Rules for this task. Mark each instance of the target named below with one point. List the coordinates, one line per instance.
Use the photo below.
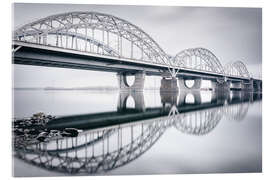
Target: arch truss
(237, 68)
(200, 59)
(93, 32)
(104, 34)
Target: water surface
(142, 133)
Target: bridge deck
(41, 55)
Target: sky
(230, 33)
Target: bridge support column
(243, 85)
(137, 97)
(256, 96)
(257, 86)
(138, 84)
(169, 85)
(220, 91)
(220, 86)
(196, 85)
(248, 86)
(239, 85)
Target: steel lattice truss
(237, 69)
(95, 33)
(198, 59)
(105, 34)
(106, 149)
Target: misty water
(141, 133)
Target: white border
(6, 83)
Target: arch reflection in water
(93, 151)
(137, 98)
(106, 148)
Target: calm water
(142, 133)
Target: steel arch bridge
(104, 34)
(238, 69)
(198, 59)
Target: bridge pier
(196, 85)
(238, 85)
(138, 84)
(236, 96)
(248, 86)
(168, 85)
(242, 85)
(257, 86)
(256, 96)
(222, 86)
(220, 91)
(136, 96)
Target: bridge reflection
(113, 139)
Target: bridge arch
(95, 33)
(237, 68)
(198, 59)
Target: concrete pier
(257, 86)
(248, 86)
(239, 85)
(220, 86)
(138, 84)
(169, 85)
(196, 85)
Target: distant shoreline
(74, 89)
(68, 89)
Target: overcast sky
(230, 33)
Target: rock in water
(70, 132)
(42, 136)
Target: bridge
(102, 42)
(104, 148)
